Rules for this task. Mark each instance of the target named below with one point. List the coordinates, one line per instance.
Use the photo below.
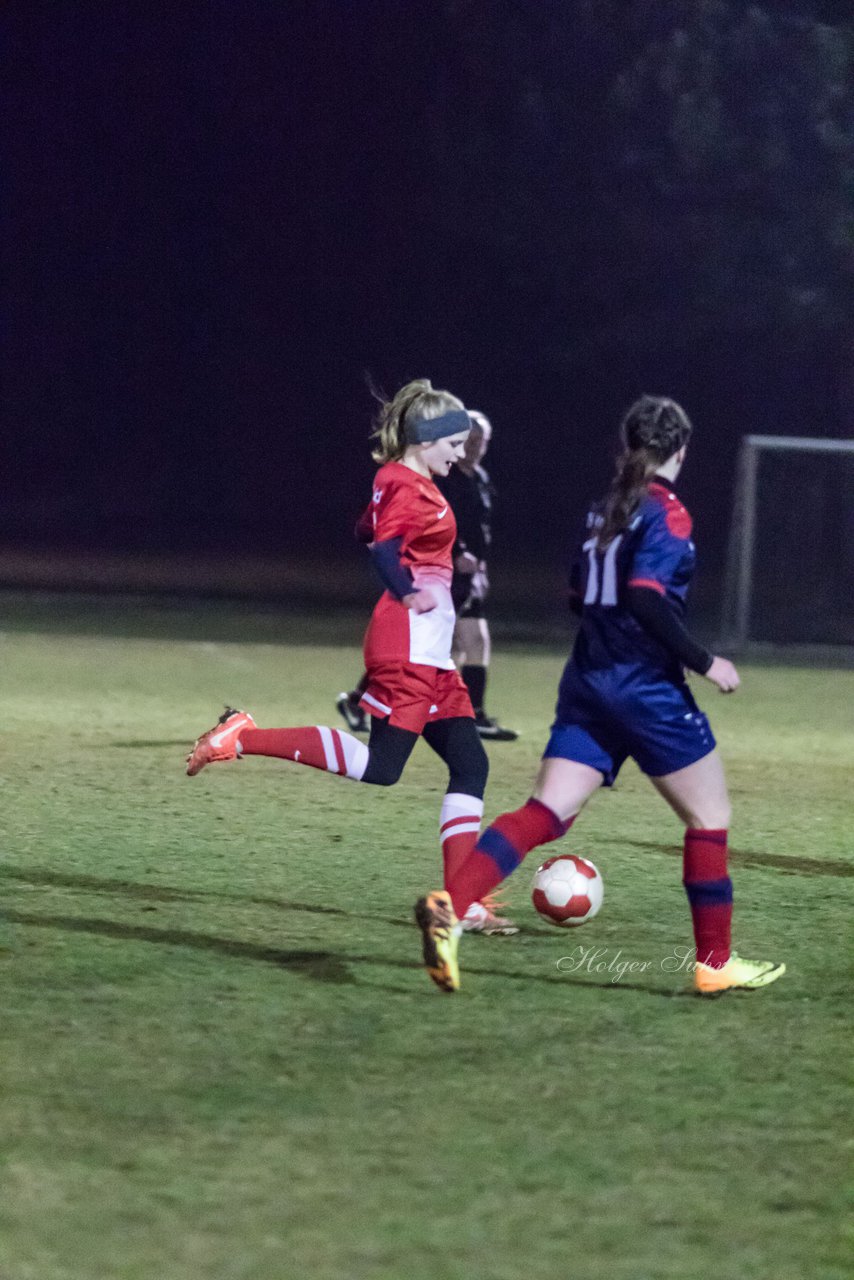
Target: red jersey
(406, 505)
(409, 506)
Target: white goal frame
(738, 584)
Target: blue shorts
(657, 723)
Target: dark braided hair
(651, 432)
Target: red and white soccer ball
(567, 890)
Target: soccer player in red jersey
(413, 688)
(469, 490)
(623, 693)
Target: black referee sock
(475, 682)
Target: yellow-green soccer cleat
(440, 931)
(736, 975)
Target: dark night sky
(219, 215)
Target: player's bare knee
(710, 817)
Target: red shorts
(413, 695)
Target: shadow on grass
(166, 893)
(320, 966)
(774, 861)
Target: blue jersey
(655, 551)
(622, 692)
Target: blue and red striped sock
(709, 891)
(500, 849)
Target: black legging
(455, 741)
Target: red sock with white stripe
(459, 827)
(314, 745)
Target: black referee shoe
(353, 715)
(489, 728)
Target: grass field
(221, 1061)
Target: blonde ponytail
(418, 401)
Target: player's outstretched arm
(657, 616)
(724, 675)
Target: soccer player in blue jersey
(623, 693)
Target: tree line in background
(221, 219)
(652, 173)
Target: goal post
(790, 559)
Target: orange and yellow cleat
(736, 975)
(440, 931)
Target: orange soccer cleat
(220, 742)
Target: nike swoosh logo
(442, 513)
(216, 740)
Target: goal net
(790, 564)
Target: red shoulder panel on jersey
(678, 520)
